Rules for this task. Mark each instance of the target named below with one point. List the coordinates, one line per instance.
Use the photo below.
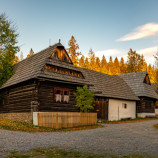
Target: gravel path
(113, 138)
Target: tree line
(9, 48)
(135, 62)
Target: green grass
(59, 153)
(130, 121)
(28, 127)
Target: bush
(84, 98)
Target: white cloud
(148, 54)
(110, 52)
(143, 31)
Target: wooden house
(155, 87)
(47, 81)
(140, 84)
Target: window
(124, 105)
(63, 70)
(61, 95)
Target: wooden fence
(65, 119)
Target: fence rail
(65, 119)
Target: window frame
(124, 105)
(61, 93)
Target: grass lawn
(130, 121)
(28, 127)
(59, 153)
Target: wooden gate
(101, 107)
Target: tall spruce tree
(156, 65)
(92, 59)
(81, 62)
(30, 53)
(73, 50)
(116, 69)
(123, 67)
(86, 63)
(104, 65)
(133, 61)
(111, 66)
(97, 65)
(8, 48)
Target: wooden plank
(66, 119)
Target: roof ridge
(133, 73)
(39, 52)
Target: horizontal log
(19, 107)
(22, 95)
(22, 87)
(50, 102)
(20, 103)
(23, 91)
(22, 100)
(21, 110)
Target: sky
(109, 27)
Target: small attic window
(56, 54)
(61, 54)
(146, 80)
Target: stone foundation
(22, 117)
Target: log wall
(18, 99)
(47, 101)
(145, 105)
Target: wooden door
(101, 107)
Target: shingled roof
(154, 86)
(135, 81)
(108, 85)
(31, 68)
(102, 84)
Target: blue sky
(109, 27)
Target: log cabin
(140, 84)
(46, 82)
(155, 87)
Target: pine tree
(21, 56)
(16, 60)
(8, 48)
(156, 65)
(97, 65)
(30, 53)
(73, 50)
(104, 65)
(111, 66)
(81, 62)
(91, 55)
(86, 63)
(116, 69)
(151, 73)
(141, 64)
(133, 61)
(123, 67)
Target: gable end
(60, 54)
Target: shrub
(84, 98)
